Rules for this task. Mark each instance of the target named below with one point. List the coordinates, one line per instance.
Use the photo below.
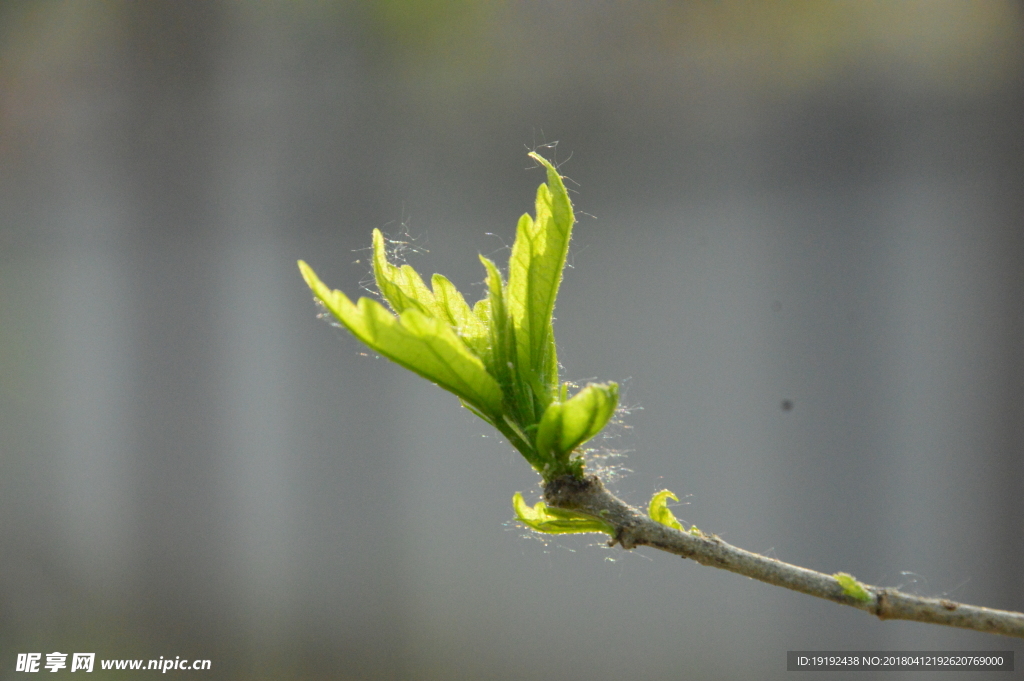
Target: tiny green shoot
(851, 587)
(659, 511)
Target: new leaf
(542, 518)
(422, 344)
(534, 274)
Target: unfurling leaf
(542, 518)
(659, 511)
(567, 425)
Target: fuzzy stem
(633, 528)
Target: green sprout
(659, 511)
(498, 356)
(851, 587)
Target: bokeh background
(812, 202)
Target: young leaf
(659, 511)
(535, 271)
(555, 520)
(420, 343)
(567, 425)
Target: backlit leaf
(420, 343)
(567, 425)
(535, 271)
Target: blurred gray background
(814, 202)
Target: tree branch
(634, 528)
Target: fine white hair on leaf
(398, 244)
